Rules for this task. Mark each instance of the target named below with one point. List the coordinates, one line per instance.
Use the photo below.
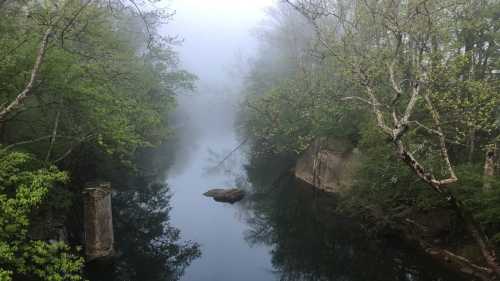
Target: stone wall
(98, 221)
(327, 164)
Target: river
(219, 228)
(284, 230)
(166, 230)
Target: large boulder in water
(231, 195)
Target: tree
(393, 51)
(24, 185)
(292, 89)
(90, 83)
(74, 76)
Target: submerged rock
(226, 195)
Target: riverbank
(435, 230)
(313, 239)
(433, 235)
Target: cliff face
(327, 164)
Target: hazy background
(217, 34)
(218, 40)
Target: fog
(217, 40)
(216, 34)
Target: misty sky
(217, 34)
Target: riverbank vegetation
(85, 85)
(414, 86)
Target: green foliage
(467, 105)
(23, 187)
(484, 202)
(290, 116)
(382, 184)
(107, 83)
(108, 78)
(365, 53)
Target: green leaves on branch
(23, 187)
(107, 73)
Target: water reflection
(310, 241)
(148, 247)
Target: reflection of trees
(148, 247)
(311, 242)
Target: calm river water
(284, 231)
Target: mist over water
(217, 39)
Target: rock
(226, 195)
(328, 164)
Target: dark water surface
(166, 230)
(283, 231)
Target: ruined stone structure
(327, 164)
(98, 221)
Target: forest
(89, 89)
(86, 87)
(413, 87)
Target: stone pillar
(98, 221)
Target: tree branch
(402, 124)
(73, 19)
(378, 113)
(34, 73)
(54, 132)
(442, 143)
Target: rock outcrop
(226, 195)
(98, 221)
(327, 164)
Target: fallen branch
(454, 261)
(230, 153)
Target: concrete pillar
(98, 221)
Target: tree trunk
(472, 145)
(26, 92)
(54, 134)
(473, 228)
(489, 166)
(452, 261)
(477, 234)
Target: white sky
(215, 33)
